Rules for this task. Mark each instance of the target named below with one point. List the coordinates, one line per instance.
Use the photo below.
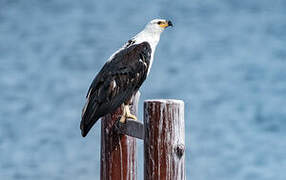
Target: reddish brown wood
(164, 140)
(118, 152)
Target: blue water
(226, 59)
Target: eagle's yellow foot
(126, 114)
(129, 115)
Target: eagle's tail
(88, 118)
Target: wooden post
(118, 151)
(164, 140)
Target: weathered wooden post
(118, 151)
(164, 140)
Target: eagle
(121, 76)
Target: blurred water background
(225, 59)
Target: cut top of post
(165, 101)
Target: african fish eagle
(121, 76)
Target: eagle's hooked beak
(169, 23)
(166, 24)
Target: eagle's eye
(159, 22)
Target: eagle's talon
(131, 116)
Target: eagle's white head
(152, 31)
(157, 25)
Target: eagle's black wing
(117, 81)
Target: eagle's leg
(123, 116)
(126, 114)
